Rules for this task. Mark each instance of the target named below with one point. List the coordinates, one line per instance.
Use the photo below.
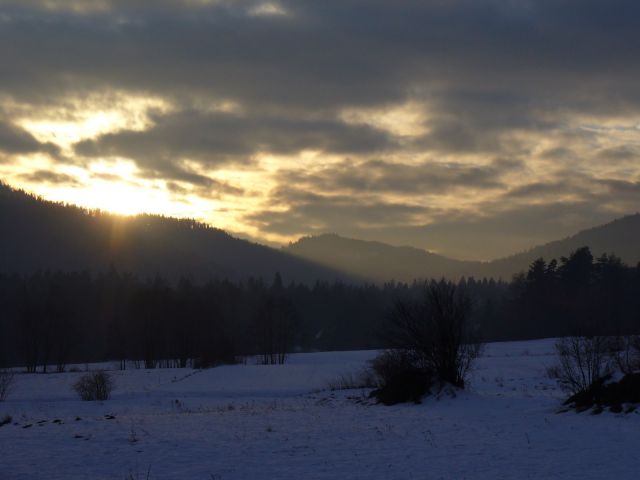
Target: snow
(282, 422)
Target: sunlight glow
(268, 9)
(404, 120)
(85, 119)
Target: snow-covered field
(272, 422)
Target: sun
(124, 199)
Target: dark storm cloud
(331, 53)
(45, 176)
(538, 190)
(485, 67)
(500, 79)
(390, 177)
(15, 140)
(217, 50)
(315, 213)
(204, 187)
(623, 189)
(596, 191)
(217, 138)
(624, 152)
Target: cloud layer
(473, 128)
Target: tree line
(51, 319)
(578, 295)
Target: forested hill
(379, 261)
(382, 262)
(621, 237)
(41, 235)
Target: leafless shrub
(433, 343)
(95, 386)
(437, 332)
(582, 361)
(626, 353)
(6, 383)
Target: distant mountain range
(378, 261)
(38, 235)
(381, 262)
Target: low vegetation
(7, 379)
(618, 396)
(402, 377)
(599, 372)
(95, 386)
(626, 353)
(582, 361)
(434, 344)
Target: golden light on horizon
(276, 196)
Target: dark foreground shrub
(402, 378)
(94, 386)
(626, 353)
(583, 362)
(434, 342)
(606, 393)
(6, 420)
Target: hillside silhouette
(382, 262)
(378, 261)
(621, 237)
(44, 235)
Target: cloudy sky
(473, 128)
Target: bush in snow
(433, 342)
(582, 361)
(626, 353)
(402, 377)
(606, 392)
(94, 386)
(586, 369)
(6, 382)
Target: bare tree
(437, 331)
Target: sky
(471, 128)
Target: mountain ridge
(405, 263)
(42, 235)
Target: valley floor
(282, 422)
